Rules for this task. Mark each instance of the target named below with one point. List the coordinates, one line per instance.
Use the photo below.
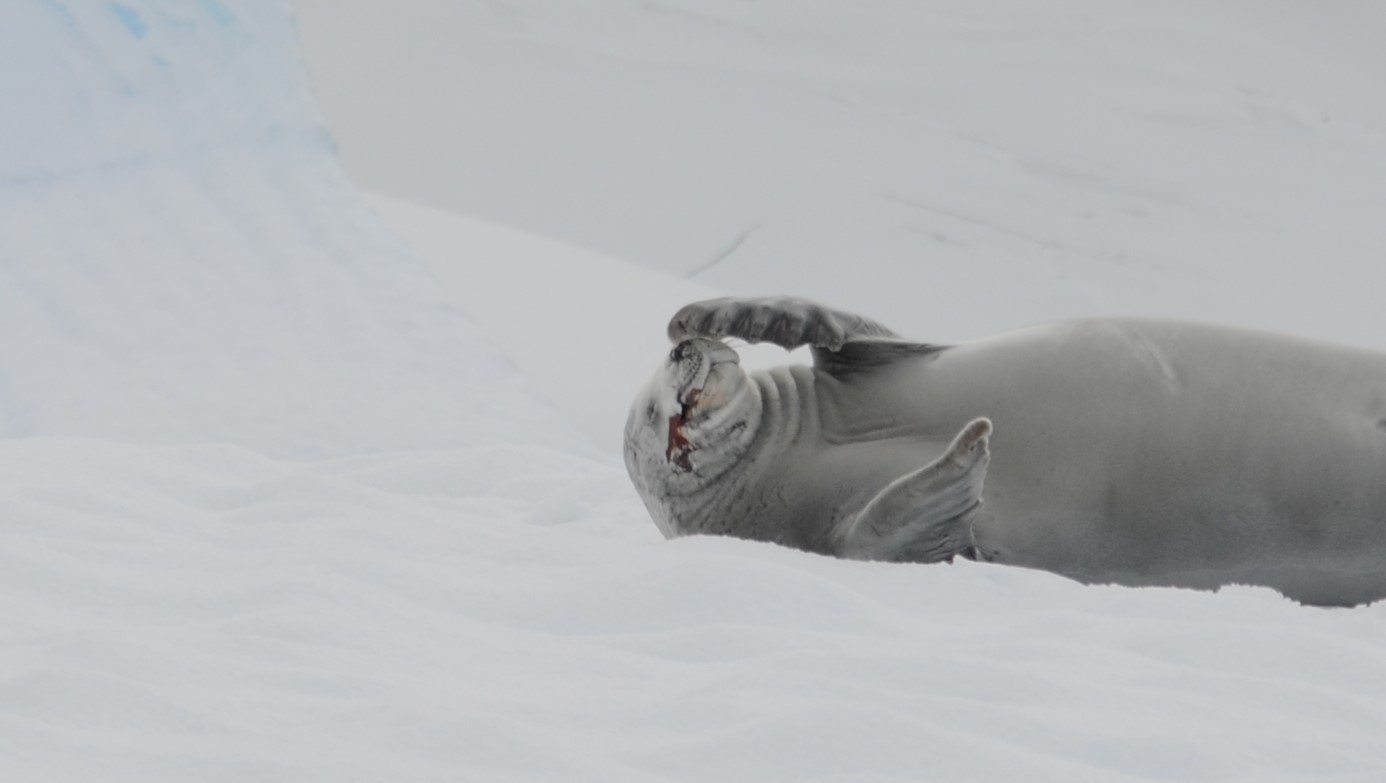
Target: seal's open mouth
(694, 364)
(679, 446)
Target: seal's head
(690, 424)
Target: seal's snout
(700, 378)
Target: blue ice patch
(130, 18)
(63, 13)
(219, 12)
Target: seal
(1127, 451)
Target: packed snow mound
(185, 261)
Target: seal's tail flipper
(925, 516)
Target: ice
(185, 261)
(276, 504)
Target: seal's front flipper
(925, 516)
(785, 321)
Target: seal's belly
(1124, 447)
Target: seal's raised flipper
(842, 342)
(925, 516)
(785, 321)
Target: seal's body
(1129, 451)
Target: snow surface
(271, 508)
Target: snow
(502, 613)
(285, 500)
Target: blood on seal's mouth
(679, 446)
